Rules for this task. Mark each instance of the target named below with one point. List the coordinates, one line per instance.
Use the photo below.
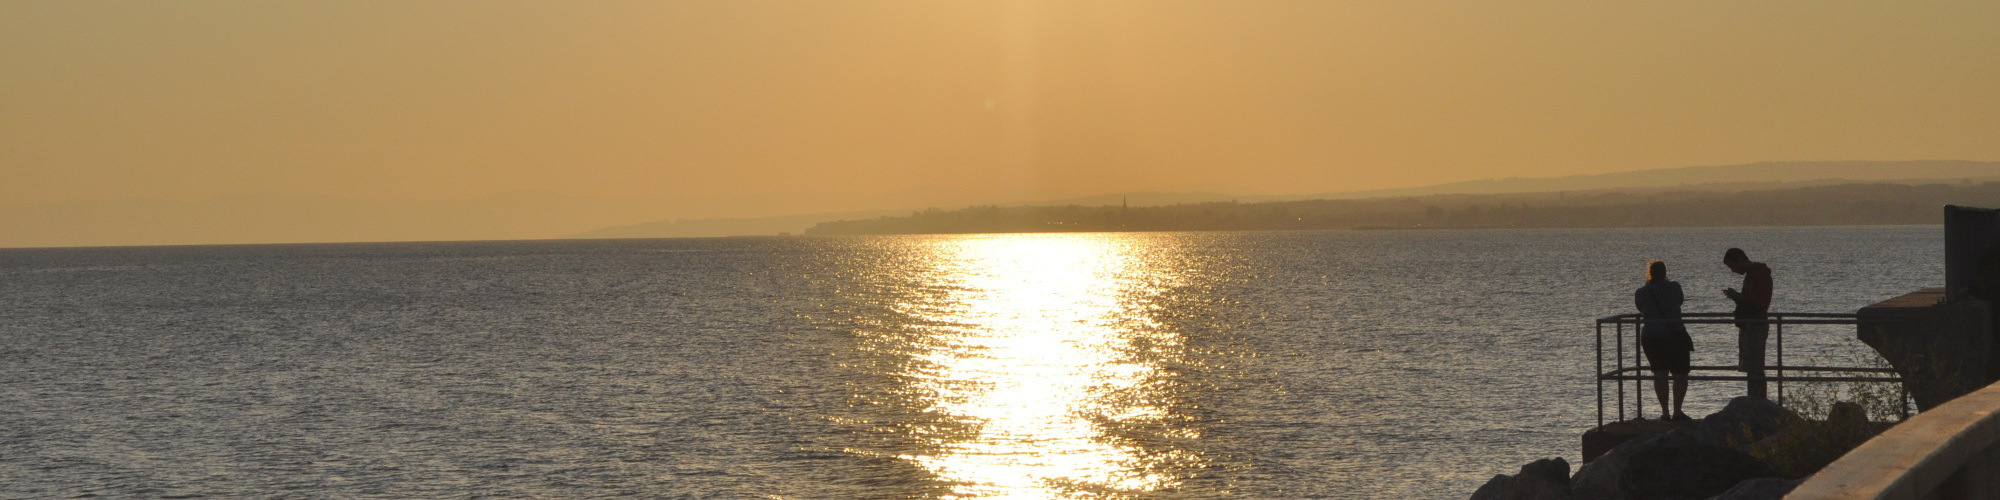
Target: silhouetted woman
(1665, 339)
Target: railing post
(1780, 372)
(1600, 373)
(1620, 356)
(1638, 384)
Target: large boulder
(1763, 488)
(1553, 470)
(1545, 479)
(1603, 438)
(1601, 479)
(1748, 420)
(1674, 465)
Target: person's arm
(1741, 298)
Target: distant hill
(1720, 178)
(1841, 204)
(1749, 176)
(1746, 176)
(1140, 199)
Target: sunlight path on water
(1033, 350)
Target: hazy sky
(835, 105)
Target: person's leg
(1750, 339)
(1660, 392)
(1659, 358)
(1680, 392)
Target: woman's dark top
(1659, 299)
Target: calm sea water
(1178, 365)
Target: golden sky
(764, 108)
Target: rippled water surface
(1153, 365)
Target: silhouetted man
(1752, 303)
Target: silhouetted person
(1665, 339)
(1752, 303)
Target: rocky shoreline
(1753, 449)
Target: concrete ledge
(1947, 452)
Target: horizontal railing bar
(1732, 321)
(1770, 318)
(1731, 314)
(1739, 378)
(1769, 369)
(1719, 315)
(1785, 314)
(1854, 369)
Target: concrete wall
(1968, 234)
(1949, 452)
(1942, 349)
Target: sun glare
(1036, 356)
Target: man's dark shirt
(1756, 291)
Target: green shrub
(1839, 417)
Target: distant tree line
(1845, 204)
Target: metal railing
(1638, 372)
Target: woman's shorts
(1668, 352)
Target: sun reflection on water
(1042, 351)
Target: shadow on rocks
(1748, 420)
(1674, 465)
